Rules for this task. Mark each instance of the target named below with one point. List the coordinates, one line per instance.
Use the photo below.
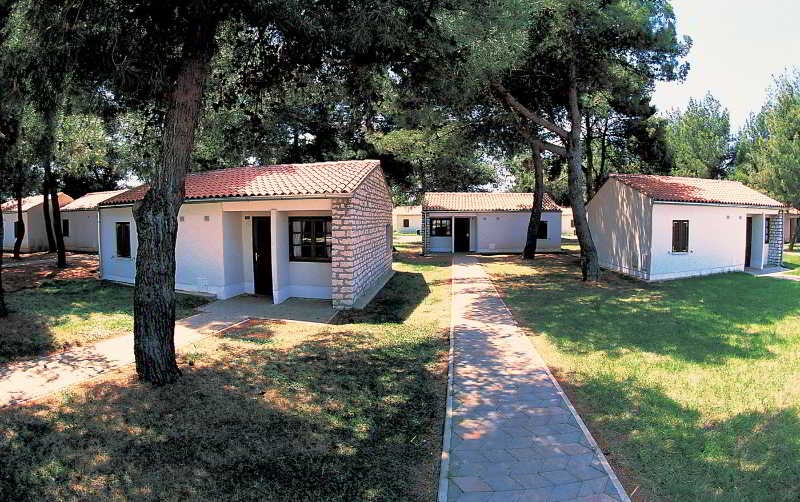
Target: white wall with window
(80, 230)
(493, 232)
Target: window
(406, 223)
(572, 223)
(542, 230)
(310, 239)
(123, 239)
(767, 229)
(680, 236)
(440, 227)
(65, 228)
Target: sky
(739, 46)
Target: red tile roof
(284, 180)
(484, 202)
(90, 200)
(696, 190)
(32, 201)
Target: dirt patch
(253, 330)
(22, 275)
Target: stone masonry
(362, 240)
(775, 254)
(425, 231)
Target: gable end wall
(362, 250)
(620, 219)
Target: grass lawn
(65, 313)
(268, 410)
(691, 386)
(792, 260)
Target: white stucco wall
(414, 221)
(8, 232)
(620, 222)
(82, 230)
(216, 256)
(289, 279)
(35, 229)
(199, 256)
(113, 267)
(500, 232)
(717, 236)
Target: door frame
(464, 238)
(262, 285)
(748, 250)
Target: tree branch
(521, 109)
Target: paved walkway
(26, 380)
(511, 433)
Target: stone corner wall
(362, 240)
(425, 230)
(775, 252)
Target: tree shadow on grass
(66, 313)
(703, 320)
(675, 454)
(334, 418)
(404, 292)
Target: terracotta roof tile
(284, 180)
(696, 190)
(484, 202)
(32, 201)
(90, 200)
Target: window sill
(307, 260)
(680, 252)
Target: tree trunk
(589, 171)
(51, 240)
(3, 307)
(19, 229)
(601, 172)
(529, 253)
(61, 262)
(157, 216)
(794, 238)
(590, 266)
(45, 151)
(46, 146)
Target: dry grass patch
(267, 410)
(61, 314)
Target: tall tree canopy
(156, 58)
(768, 151)
(700, 139)
(582, 51)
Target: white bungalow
(407, 219)
(79, 221)
(486, 222)
(297, 230)
(663, 227)
(35, 238)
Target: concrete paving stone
(593, 487)
(501, 482)
(471, 484)
(564, 492)
(498, 455)
(586, 472)
(560, 476)
(514, 436)
(532, 480)
(602, 497)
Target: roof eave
(244, 199)
(726, 204)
